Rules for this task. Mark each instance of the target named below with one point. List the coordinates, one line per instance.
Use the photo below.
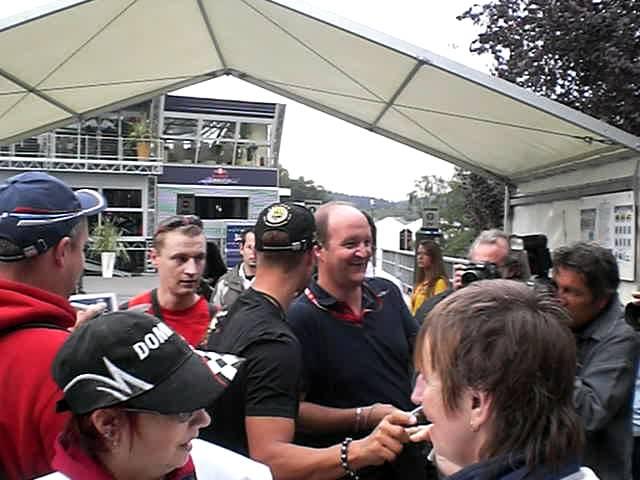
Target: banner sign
(219, 176)
(232, 247)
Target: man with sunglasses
(256, 416)
(357, 340)
(43, 231)
(179, 253)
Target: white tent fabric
(77, 58)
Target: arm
(607, 381)
(320, 419)
(269, 440)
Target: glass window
(180, 127)
(129, 222)
(180, 151)
(217, 130)
(123, 198)
(213, 208)
(257, 132)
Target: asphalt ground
(123, 287)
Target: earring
(110, 438)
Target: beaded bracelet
(344, 458)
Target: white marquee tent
(572, 177)
(77, 58)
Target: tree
(483, 200)
(582, 53)
(301, 188)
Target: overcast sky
(320, 147)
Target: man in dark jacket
(587, 279)
(43, 230)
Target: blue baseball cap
(37, 210)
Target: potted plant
(139, 131)
(105, 241)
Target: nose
(418, 390)
(561, 298)
(191, 267)
(363, 251)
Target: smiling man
(587, 279)
(357, 336)
(179, 252)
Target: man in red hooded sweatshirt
(43, 230)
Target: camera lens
(468, 277)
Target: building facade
(214, 158)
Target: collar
(372, 301)
(272, 300)
(600, 326)
(243, 274)
(512, 467)
(75, 462)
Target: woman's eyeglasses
(178, 221)
(182, 417)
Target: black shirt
(268, 382)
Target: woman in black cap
(137, 393)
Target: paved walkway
(123, 287)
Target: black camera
(472, 272)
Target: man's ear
(600, 304)
(153, 256)
(61, 250)
(480, 409)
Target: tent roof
(77, 58)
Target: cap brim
(195, 384)
(91, 202)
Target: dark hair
(597, 265)
(215, 266)
(81, 431)
(436, 271)
(372, 225)
(506, 339)
(246, 232)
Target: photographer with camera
(490, 257)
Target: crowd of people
(308, 367)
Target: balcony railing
(86, 147)
(400, 264)
(59, 148)
(62, 152)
